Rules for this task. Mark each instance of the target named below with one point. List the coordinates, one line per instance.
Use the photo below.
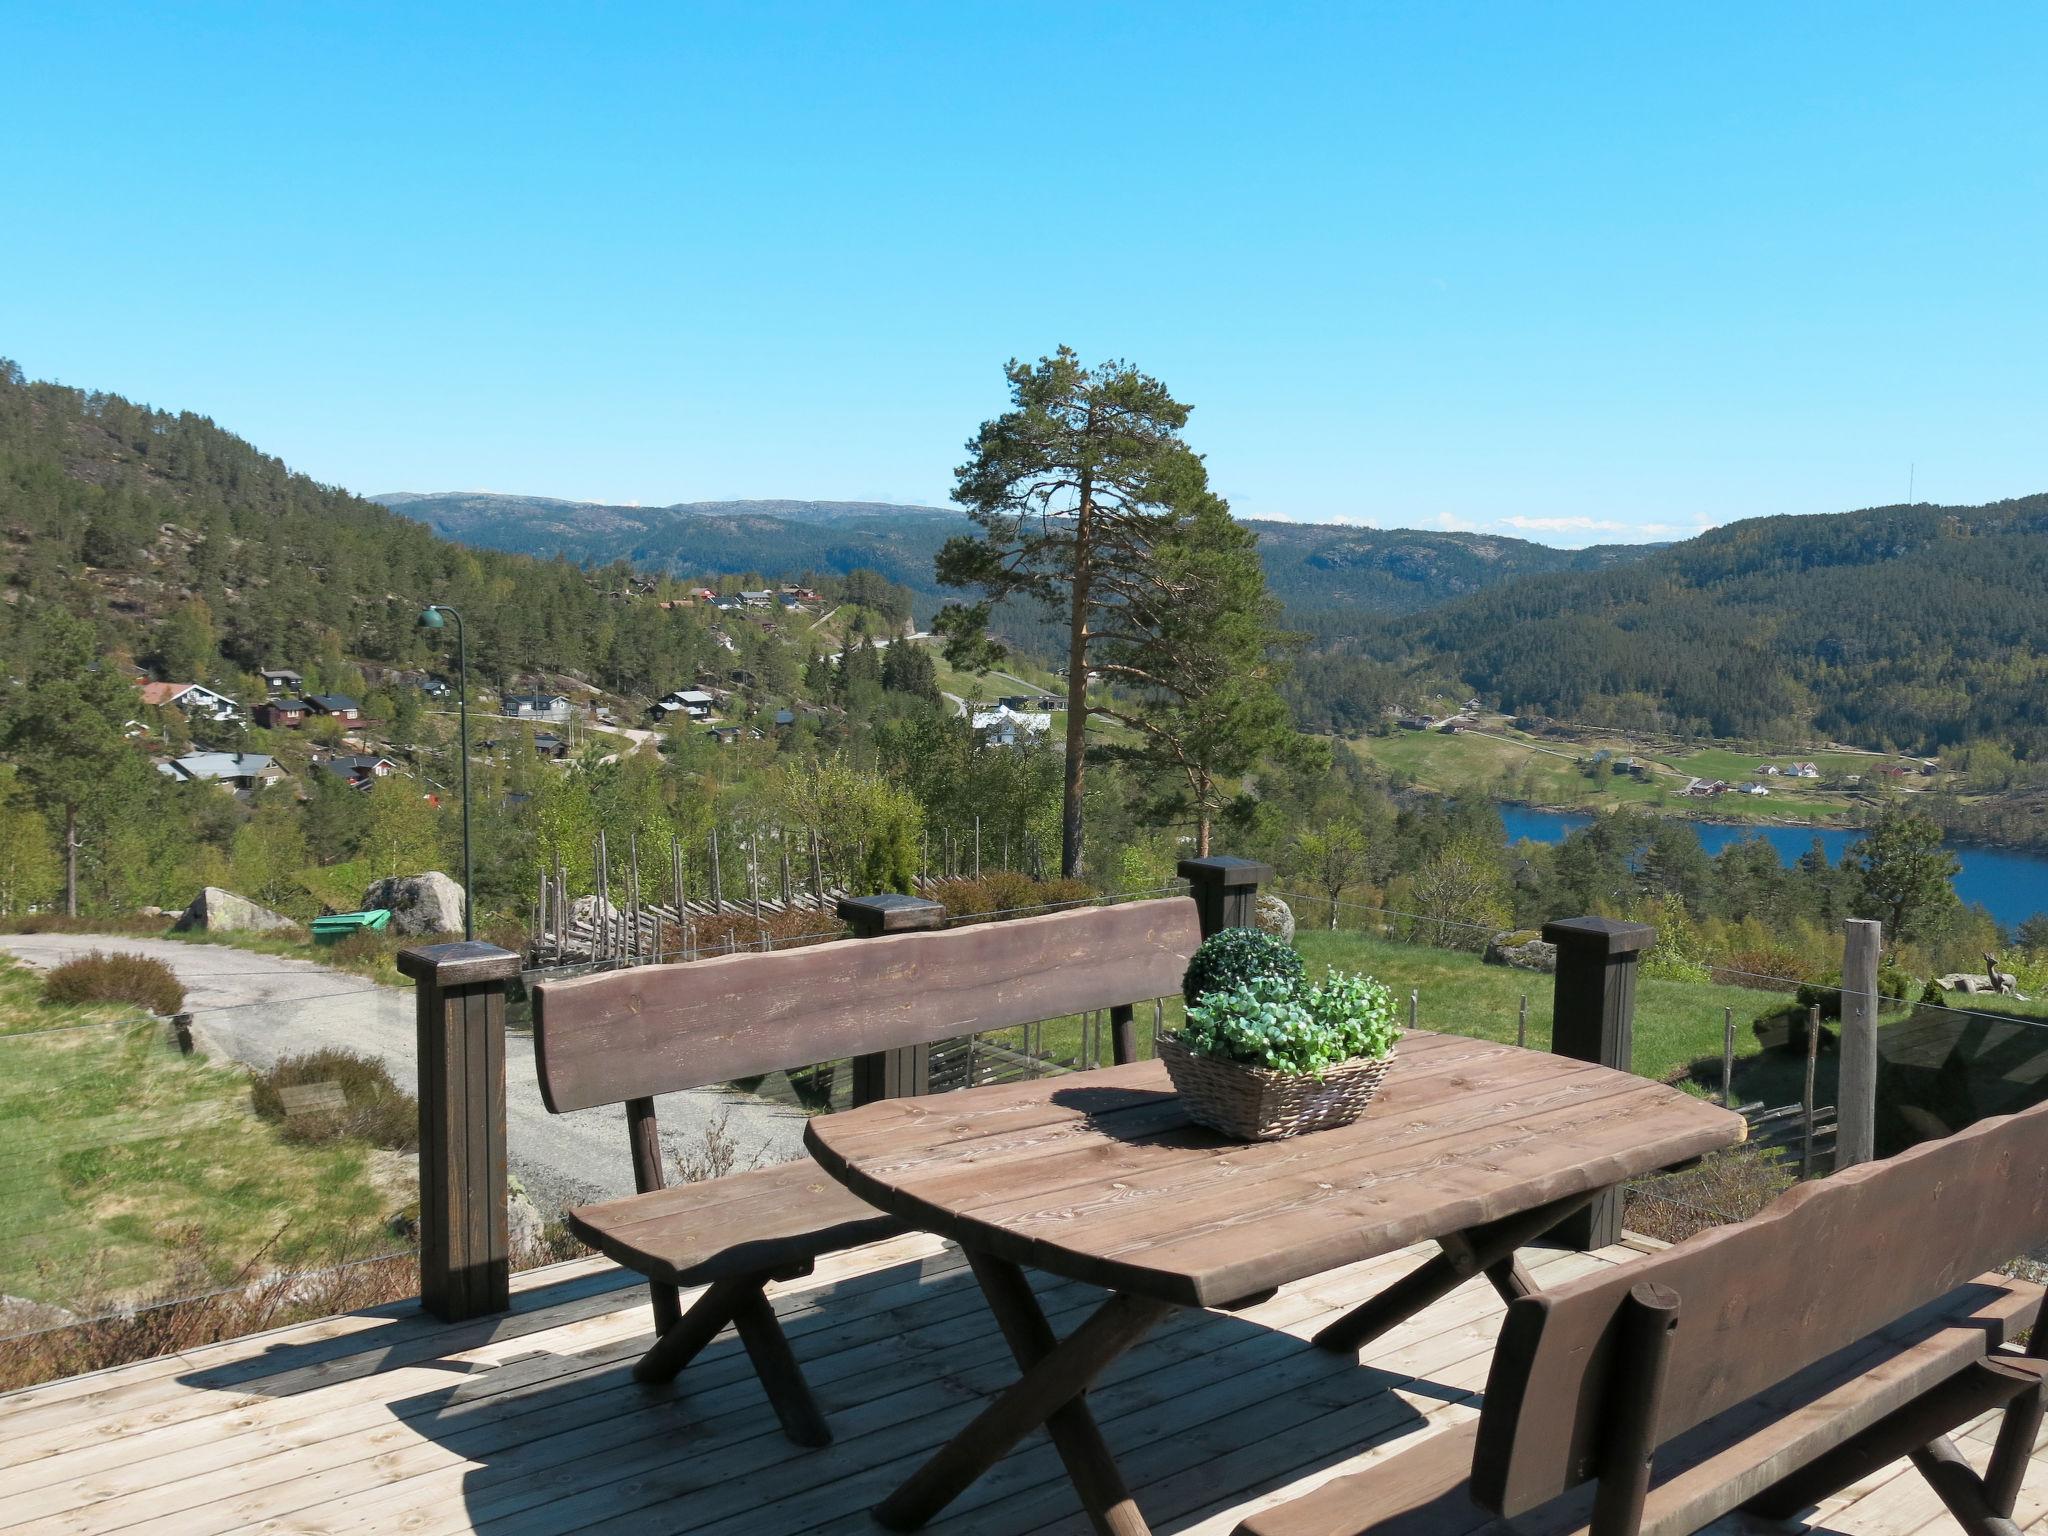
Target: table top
(1100, 1176)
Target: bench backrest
(1823, 1267)
(654, 1029)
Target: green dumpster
(333, 929)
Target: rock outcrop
(419, 904)
(1523, 950)
(214, 910)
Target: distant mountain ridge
(1916, 627)
(1322, 571)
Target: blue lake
(2012, 886)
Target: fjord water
(2010, 884)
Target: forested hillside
(709, 537)
(199, 555)
(1910, 628)
(1326, 574)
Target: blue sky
(1568, 271)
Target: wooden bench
(1765, 1366)
(626, 1036)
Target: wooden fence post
(907, 1071)
(1856, 1091)
(465, 1245)
(1593, 1019)
(1226, 890)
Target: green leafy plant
(1272, 1022)
(1234, 957)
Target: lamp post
(430, 618)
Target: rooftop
(530, 1421)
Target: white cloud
(1566, 524)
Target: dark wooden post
(1593, 1019)
(1226, 890)
(905, 1072)
(465, 1246)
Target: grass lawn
(1678, 1024)
(128, 1172)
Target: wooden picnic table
(1101, 1177)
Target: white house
(193, 699)
(1006, 727)
(536, 706)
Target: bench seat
(767, 1221)
(1705, 1473)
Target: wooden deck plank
(386, 1422)
(1261, 1348)
(970, 1375)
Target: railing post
(1226, 890)
(906, 1071)
(1593, 1012)
(465, 1245)
(1856, 1092)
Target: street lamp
(430, 618)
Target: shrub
(1826, 992)
(1236, 957)
(347, 1097)
(1272, 1022)
(96, 977)
(365, 946)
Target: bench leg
(1056, 1374)
(668, 1305)
(768, 1347)
(1919, 1429)
(1487, 1250)
(742, 1304)
(1961, 1489)
(683, 1338)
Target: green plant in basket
(1272, 1022)
(1235, 956)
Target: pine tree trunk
(1077, 688)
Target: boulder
(1276, 917)
(428, 903)
(214, 910)
(1523, 950)
(522, 1221)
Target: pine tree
(1075, 490)
(63, 731)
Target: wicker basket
(1255, 1104)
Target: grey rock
(1277, 918)
(419, 904)
(21, 1314)
(214, 910)
(1524, 951)
(522, 1219)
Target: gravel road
(255, 1008)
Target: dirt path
(256, 1008)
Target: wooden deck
(388, 1422)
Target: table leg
(1056, 1374)
(1487, 1250)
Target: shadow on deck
(531, 1422)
